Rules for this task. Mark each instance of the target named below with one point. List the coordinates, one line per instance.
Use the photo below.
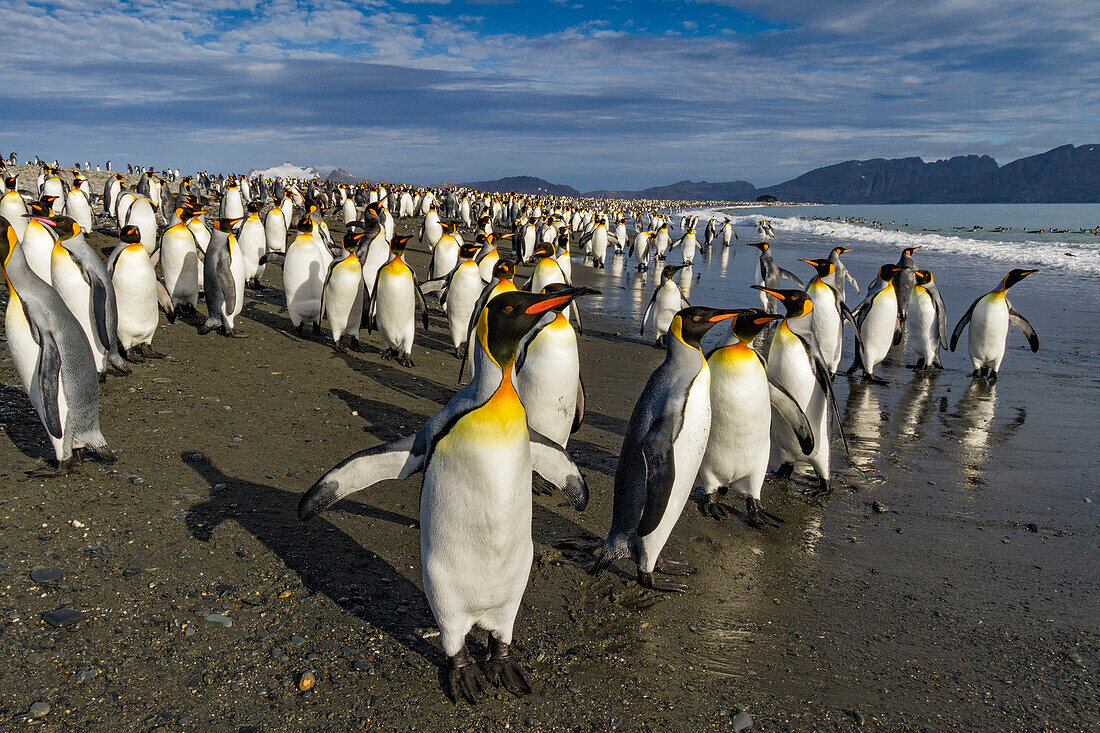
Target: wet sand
(944, 612)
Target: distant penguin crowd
(190, 248)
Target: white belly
(135, 285)
(344, 301)
(666, 307)
(789, 366)
(37, 247)
(922, 314)
(989, 331)
(70, 284)
(179, 261)
(547, 383)
(395, 313)
(253, 244)
(462, 296)
(827, 325)
(739, 443)
(303, 277)
(879, 326)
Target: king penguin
(253, 244)
(842, 273)
(81, 279)
(796, 364)
(669, 300)
(830, 313)
(664, 445)
(879, 320)
(137, 296)
(989, 317)
(742, 400)
(477, 455)
(343, 293)
(929, 321)
(180, 264)
(771, 276)
(394, 303)
(53, 359)
(223, 279)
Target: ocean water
(1062, 236)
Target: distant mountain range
(1066, 174)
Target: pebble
(741, 721)
(45, 574)
(306, 682)
(297, 640)
(197, 456)
(218, 618)
(82, 675)
(39, 709)
(879, 508)
(857, 717)
(137, 480)
(35, 658)
(62, 617)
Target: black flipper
(578, 414)
(645, 316)
(660, 474)
(48, 373)
(785, 404)
(791, 276)
(962, 323)
(420, 299)
(1021, 323)
(396, 460)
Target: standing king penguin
(223, 279)
(394, 303)
(989, 317)
(53, 359)
(477, 455)
(929, 321)
(742, 400)
(664, 445)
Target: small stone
(197, 456)
(306, 682)
(137, 480)
(83, 675)
(45, 574)
(857, 717)
(218, 618)
(35, 658)
(62, 617)
(297, 640)
(39, 709)
(615, 722)
(1032, 527)
(741, 721)
(879, 508)
(757, 551)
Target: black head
(748, 324)
(691, 324)
(795, 302)
(305, 225)
(762, 246)
(544, 250)
(669, 271)
(510, 316)
(824, 267)
(129, 235)
(397, 246)
(908, 251)
(449, 227)
(1013, 277)
(65, 226)
(923, 277)
(840, 250)
(10, 182)
(469, 250)
(41, 207)
(226, 225)
(886, 272)
(352, 237)
(504, 269)
(254, 206)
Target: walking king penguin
(989, 317)
(477, 455)
(742, 400)
(669, 300)
(394, 303)
(796, 364)
(930, 322)
(665, 441)
(771, 276)
(137, 295)
(53, 359)
(879, 321)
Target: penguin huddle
(704, 418)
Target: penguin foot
(101, 453)
(120, 368)
(821, 490)
(205, 329)
(715, 509)
(992, 377)
(132, 356)
(504, 671)
(317, 329)
(147, 351)
(465, 678)
(233, 333)
(646, 580)
(340, 348)
(659, 343)
(758, 517)
(62, 468)
(405, 360)
(460, 351)
(673, 567)
(300, 329)
(102, 377)
(389, 354)
(874, 380)
(785, 471)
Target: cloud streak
(428, 91)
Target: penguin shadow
(405, 381)
(593, 457)
(607, 423)
(342, 563)
(383, 421)
(22, 425)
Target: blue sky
(593, 94)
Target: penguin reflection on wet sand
(665, 441)
(989, 317)
(477, 455)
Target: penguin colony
(703, 419)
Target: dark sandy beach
(963, 601)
